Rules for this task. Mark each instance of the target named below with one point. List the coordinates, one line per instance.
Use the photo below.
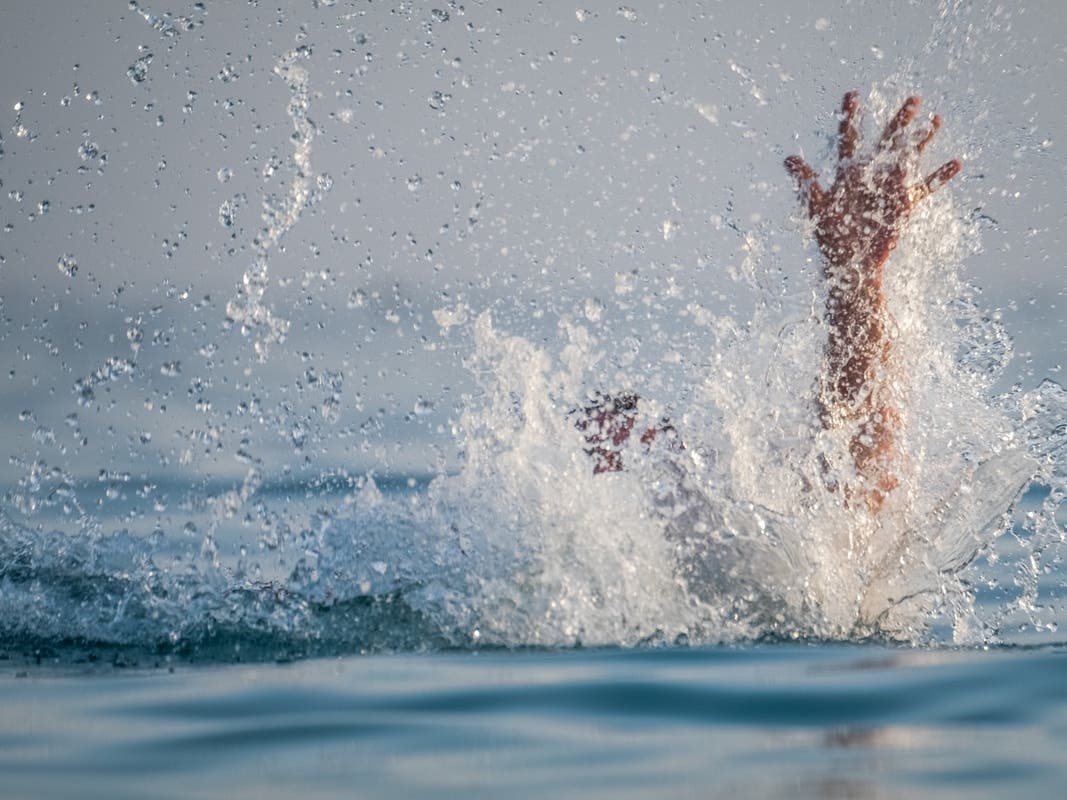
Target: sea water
(124, 680)
(827, 721)
(331, 528)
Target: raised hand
(858, 221)
(860, 217)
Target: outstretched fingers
(808, 184)
(800, 169)
(849, 134)
(943, 174)
(936, 179)
(893, 135)
(935, 123)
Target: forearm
(853, 392)
(858, 220)
(857, 345)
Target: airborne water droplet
(138, 71)
(438, 100)
(68, 265)
(135, 335)
(228, 210)
(88, 150)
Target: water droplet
(138, 71)
(135, 336)
(627, 13)
(228, 74)
(171, 369)
(111, 370)
(88, 150)
(170, 247)
(330, 409)
(228, 211)
(438, 100)
(68, 265)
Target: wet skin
(858, 221)
(607, 423)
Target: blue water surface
(824, 721)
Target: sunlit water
(736, 604)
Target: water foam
(739, 535)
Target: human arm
(858, 221)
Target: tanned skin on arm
(858, 221)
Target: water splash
(733, 538)
(739, 535)
(248, 308)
